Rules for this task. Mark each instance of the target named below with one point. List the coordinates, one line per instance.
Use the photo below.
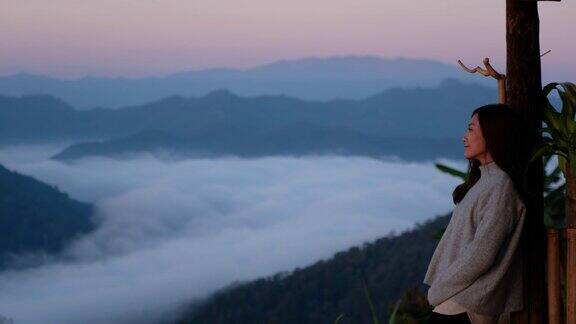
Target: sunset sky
(73, 38)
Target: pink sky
(72, 38)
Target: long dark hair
(506, 136)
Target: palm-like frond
(446, 169)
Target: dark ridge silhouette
(297, 139)
(37, 218)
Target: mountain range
(417, 123)
(345, 77)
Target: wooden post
(571, 276)
(524, 88)
(553, 272)
(570, 244)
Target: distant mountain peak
(349, 63)
(221, 94)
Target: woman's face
(474, 144)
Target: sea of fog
(172, 232)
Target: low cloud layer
(176, 231)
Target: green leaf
(572, 161)
(551, 178)
(543, 150)
(446, 169)
(569, 98)
(554, 119)
(369, 298)
(562, 161)
(393, 316)
(553, 132)
(549, 87)
(567, 113)
(338, 318)
(563, 121)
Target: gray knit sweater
(477, 263)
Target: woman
(475, 273)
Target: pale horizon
(128, 38)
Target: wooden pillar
(553, 272)
(571, 275)
(524, 88)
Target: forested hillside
(323, 291)
(35, 217)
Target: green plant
(559, 135)
(412, 308)
(394, 316)
(369, 299)
(559, 139)
(394, 319)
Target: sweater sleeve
(496, 212)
